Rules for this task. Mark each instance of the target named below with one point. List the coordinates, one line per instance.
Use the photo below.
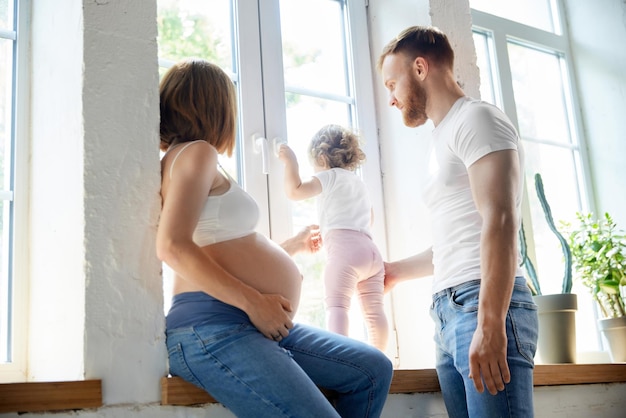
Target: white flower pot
(557, 328)
(614, 331)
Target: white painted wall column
(97, 300)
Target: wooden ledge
(50, 396)
(56, 396)
(176, 391)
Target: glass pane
(482, 43)
(305, 116)
(317, 84)
(192, 28)
(6, 14)
(196, 29)
(558, 172)
(540, 98)
(537, 13)
(5, 287)
(6, 116)
(314, 55)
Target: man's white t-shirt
(471, 130)
(344, 202)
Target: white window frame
(16, 369)
(502, 30)
(361, 92)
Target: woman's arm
(309, 240)
(184, 196)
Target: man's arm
(419, 265)
(494, 180)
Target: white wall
(95, 207)
(403, 153)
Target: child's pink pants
(355, 264)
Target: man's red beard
(414, 110)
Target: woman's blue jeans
(454, 311)
(256, 377)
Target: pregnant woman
(230, 329)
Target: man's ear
(420, 66)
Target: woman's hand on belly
(261, 264)
(269, 271)
(270, 314)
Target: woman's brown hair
(198, 101)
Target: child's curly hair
(336, 146)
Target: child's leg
(353, 256)
(371, 294)
(340, 277)
(340, 283)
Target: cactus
(567, 253)
(528, 264)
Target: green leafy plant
(599, 253)
(534, 285)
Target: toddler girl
(354, 263)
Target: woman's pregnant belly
(261, 264)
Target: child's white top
(344, 202)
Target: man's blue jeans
(454, 311)
(256, 377)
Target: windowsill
(57, 396)
(176, 391)
(50, 396)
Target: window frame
(16, 369)
(361, 91)
(502, 30)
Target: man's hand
(487, 360)
(390, 276)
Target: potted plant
(599, 254)
(557, 312)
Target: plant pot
(614, 331)
(557, 327)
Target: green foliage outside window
(184, 35)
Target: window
(12, 178)
(291, 78)
(525, 70)
(540, 14)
